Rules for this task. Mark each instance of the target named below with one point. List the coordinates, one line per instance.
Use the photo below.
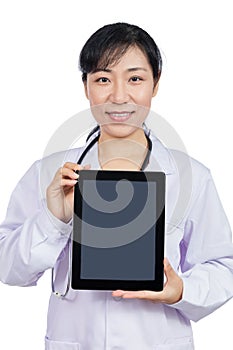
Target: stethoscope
(96, 132)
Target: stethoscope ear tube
(57, 293)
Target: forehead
(132, 57)
(134, 54)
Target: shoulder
(192, 175)
(186, 178)
(178, 162)
(188, 163)
(58, 159)
(42, 171)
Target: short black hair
(109, 43)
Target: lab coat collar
(161, 157)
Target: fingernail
(87, 166)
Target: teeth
(120, 115)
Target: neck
(126, 153)
(138, 136)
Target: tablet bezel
(96, 284)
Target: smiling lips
(120, 116)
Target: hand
(172, 292)
(60, 193)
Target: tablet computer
(118, 230)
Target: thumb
(168, 270)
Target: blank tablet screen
(128, 261)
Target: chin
(119, 130)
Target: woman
(121, 67)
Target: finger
(118, 293)
(59, 182)
(66, 172)
(135, 295)
(72, 166)
(144, 294)
(84, 167)
(68, 182)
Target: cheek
(144, 97)
(96, 96)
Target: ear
(85, 89)
(155, 90)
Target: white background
(40, 87)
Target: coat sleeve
(31, 238)
(207, 256)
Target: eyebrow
(107, 70)
(134, 69)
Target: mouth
(119, 116)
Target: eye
(136, 79)
(102, 80)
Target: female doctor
(121, 67)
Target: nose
(119, 93)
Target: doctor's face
(120, 94)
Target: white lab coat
(197, 244)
